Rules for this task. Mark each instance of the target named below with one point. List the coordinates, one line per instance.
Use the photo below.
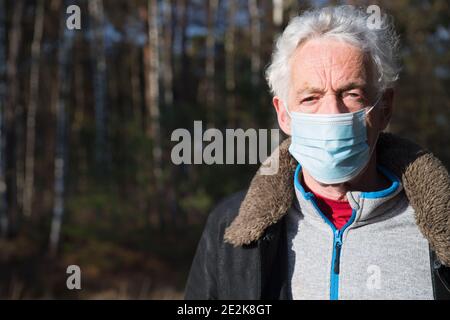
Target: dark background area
(86, 118)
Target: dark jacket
(242, 253)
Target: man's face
(329, 76)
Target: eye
(309, 99)
(352, 94)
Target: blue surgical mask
(332, 148)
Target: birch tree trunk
(3, 198)
(32, 108)
(278, 6)
(153, 84)
(153, 129)
(64, 54)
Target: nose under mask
(332, 148)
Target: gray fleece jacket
(379, 254)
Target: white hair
(346, 23)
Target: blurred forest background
(86, 118)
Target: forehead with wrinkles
(328, 65)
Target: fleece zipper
(337, 248)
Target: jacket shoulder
(204, 280)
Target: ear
(284, 120)
(386, 108)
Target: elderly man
(353, 213)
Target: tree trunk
(11, 116)
(32, 108)
(255, 27)
(230, 81)
(278, 6)
(183, 89)
(3, 198)
(153, 73)
(66, 39)
(167, 56)
(153, 130)
(210, 88)
(98, 55)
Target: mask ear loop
(286, 108)
(373, 106)
(378, 135)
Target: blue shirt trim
(366, 195)
(298, 185)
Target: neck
(368, 180)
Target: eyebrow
(346, 87)
(352, 85)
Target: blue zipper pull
(337, 255)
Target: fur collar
(425, 180)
